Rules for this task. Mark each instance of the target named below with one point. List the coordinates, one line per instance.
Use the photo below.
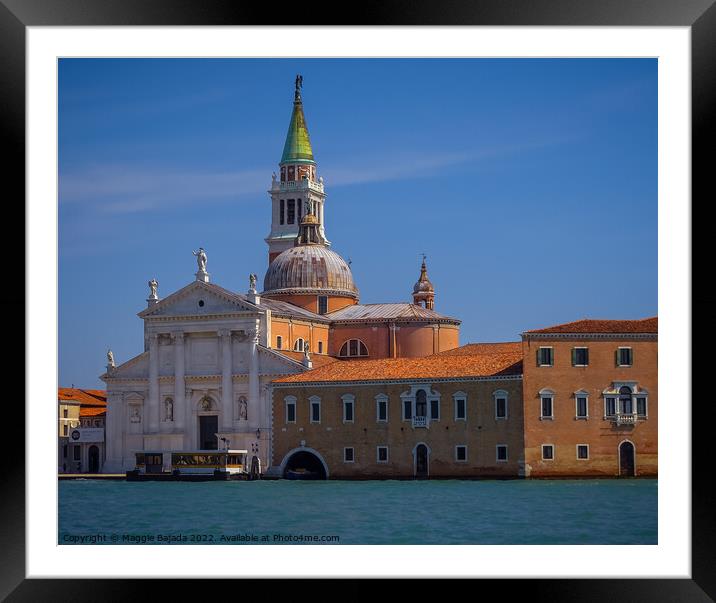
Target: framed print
(466, 154)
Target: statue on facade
(299, 82)
(153, 285)
(243, 410)
(168, 410)
(110, 358)
(252, 283)
(134, 417)
(200, 259)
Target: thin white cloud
(126, 188)
(130, 189)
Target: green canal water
(367, 512)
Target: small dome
(310, 269)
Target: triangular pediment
(134, 368)
(199, 298)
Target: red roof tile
(88, 397)
(316, 359)
(645, 325)
(472, 349)
(487, 363)
(92, 411)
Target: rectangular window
(546, 407)
(581, 407)
(460, 453)
(315, 412)
(348, 455)
(348, 411)
(625, 357)
(65, 413)
(300, 213)
(382, 411)
(382, 454)
(76, 453)
(460, 409)
(282, 211)
(501, 408)
(580, 356)
(64, 430)
(610, 407)
(407, 410)
(434, 410)
(290, 412)
(322, 304)
(501, 453)
(547, 452)
(279, 342)
(291, 211)
(583, 452)
(545, 357)
(641, 406)
(320, 347)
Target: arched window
(625, 400)
(299, 345)
(279, 342)
(421, 403)
(353, 347)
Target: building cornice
(596, 336)
(395, 381)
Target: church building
(201, 381)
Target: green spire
(298, 144)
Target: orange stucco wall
(290, 331)
(310, 302)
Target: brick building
(455, 414)
(590, 398)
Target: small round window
(201, 303)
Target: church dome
(310, 269)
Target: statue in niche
(135, 417)
(153, 284)
(206, 404)
(168, 410)
(200, 259)
(243, 409)
(110, 358)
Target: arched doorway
(93, 458)
(627, 459)
(304, 464)
(421, 461)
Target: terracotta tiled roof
(398, 311)
(85, 397)
(438, 366)
(645, 325)
(317, 359)
(92, 411)
(472, 349)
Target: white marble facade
(205, 353)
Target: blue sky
(531, 185)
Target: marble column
(227, 393)
(113, 434)
(153, 405)
(254, 394)
(179, 385)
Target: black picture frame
(699, 15)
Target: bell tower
(297, 187)
(423, 290)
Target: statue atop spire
(299, 85)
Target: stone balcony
(420, 422)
